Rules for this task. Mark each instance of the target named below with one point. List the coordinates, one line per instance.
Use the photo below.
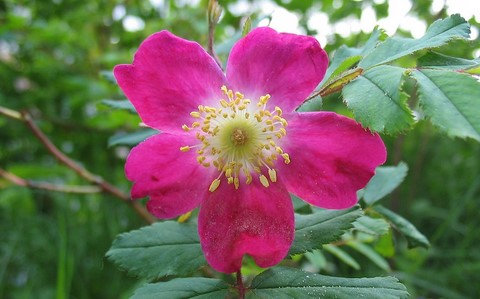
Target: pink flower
(234, 145)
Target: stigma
(239, 138)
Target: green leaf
(371, 226)
(119, 104)
(183, 288)
(342, 255)
(286, 283)
(438, 34)
(376, 100)
(367, 251)
(108, 75)
(343, 55)
(131, 138)
(451, 101)
(440, 61)
(344, 66)
(321, 227)
(166, 248)
(385, 180)
(414, 237)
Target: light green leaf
(108, 75)
(451, 101)
(376, 100)
(321, 227)
(385, 180)
(371, 226)
(166, 248)
(367, 251)
(440, 61)
(345, 53)
(342, 255)
(287, 283)
(438, 34)
(131, 138)
(183, 288)
(414, 237)
(119, 104)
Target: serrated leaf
(371, 226)
(451, 101)
(440, 61)
(119, 104)
(385, 180)
(342, 255)
(321, 227)
(438, 34)
(376, 100)
(345, 53)
(131, 138)
(183, 288)
(286, 283)
(166, 248)
(371, 254)
(414, 237)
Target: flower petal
(173, 180)
(331, 156)
(168, 79)
(286, 66)
(252, 220)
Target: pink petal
(168, 79)
(252, 220)
(286, 66)
(331, 156)
(173, 180)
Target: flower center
(238, 138)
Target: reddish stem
(240, 286)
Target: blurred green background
(55, 61)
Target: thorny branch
(60, 156)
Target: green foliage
(167, 248)
(321, 227)
(377, 102)
(438, 34)
(184, 288)
(385, 180)
(450, 101)
(282, 282)
(414, 237)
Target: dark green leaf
(321, 227)
(183, 288)
(376, 100)
(120, 104)
(440, 61)
(451, 101)
(283, 283)
(438, 34)
(414, 237)
(167, 248)
(131, 138)
(385, 180)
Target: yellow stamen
(214, 185)
(264, 181)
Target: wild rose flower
(233, 144)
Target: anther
(214, 185)
(185, 148)
(273, 175)
(264, 181)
